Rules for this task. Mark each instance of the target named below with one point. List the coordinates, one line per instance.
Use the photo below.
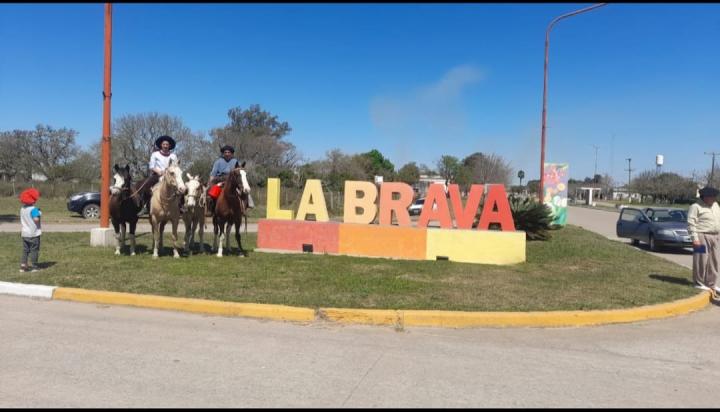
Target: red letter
(435, 194)
(496, 197)
(464, 217)
(387, 204)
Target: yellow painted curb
(391, 317)
(457, 319)
(253, 310)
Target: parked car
(85, 203)
(658, 227)
(416, 207)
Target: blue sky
(414, 81)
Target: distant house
(622, 193)
(38, 177)
(425, 181)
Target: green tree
(258, 138)
(409, 174)
(375, 164)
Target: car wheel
(653, 244)
(91, 211)
(635, 242)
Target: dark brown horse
(229, 210)
(126, 201)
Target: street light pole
(107, 94)
(545, 79)
(596, 151)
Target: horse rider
(160, 160)
(221, 168)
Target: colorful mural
(556, 190)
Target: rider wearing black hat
(223, 165)
(160, 158)
(704, 228)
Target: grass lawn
(575, 270)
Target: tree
(409, 174)
(490, 168)
(134, 135)
(375, 164)
(663, 187)
(521, 176)
(257, 136)
(14, 154)
(50, 150)
(448, 167)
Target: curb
(389, 317)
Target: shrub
(532, 217)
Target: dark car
(85, 203)
(658, 227)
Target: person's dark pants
(31, 248)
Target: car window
(668, 216)
(630, 215)
(419, 201)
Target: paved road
(66, 354)
(603, 222)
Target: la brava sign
(361, 204)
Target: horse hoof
(132, 254)
(155, 256)
(117, 253)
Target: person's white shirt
(159, 161)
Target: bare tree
(490, 168)
(134, 140)
(14, 154)
(50, 149)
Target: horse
(126, 201)
(165, 206)
(229, 210)
(194, 215)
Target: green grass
(575, 270)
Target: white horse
(194, 215)
(165, 206)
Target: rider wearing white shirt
(160, 159)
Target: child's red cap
(29, 196)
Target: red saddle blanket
(214, 191)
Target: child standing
(30, 219)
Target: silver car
(658, 227)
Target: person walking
(704, 229)
(31, 231)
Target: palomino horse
(165, 206)
(229, 210)
(194, 215)
(126, 201)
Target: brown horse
(229, 210)
(165, 206)
(194, 215)
(126, 201)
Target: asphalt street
(67, 354)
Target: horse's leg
(241, 252)
(221, 228)
(156, 235)
(175, 223)
(228, 231)
(188, 234)
(123, 230)
(162, 232)
(116, 226)
(215, 233)
(201, 230)
(133, 225)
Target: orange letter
(387, 204)
(464, 217)
(366, 202)
(497, 197)
(436, 194)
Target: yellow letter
(273, 201)
(366, 202)
(313, 190)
